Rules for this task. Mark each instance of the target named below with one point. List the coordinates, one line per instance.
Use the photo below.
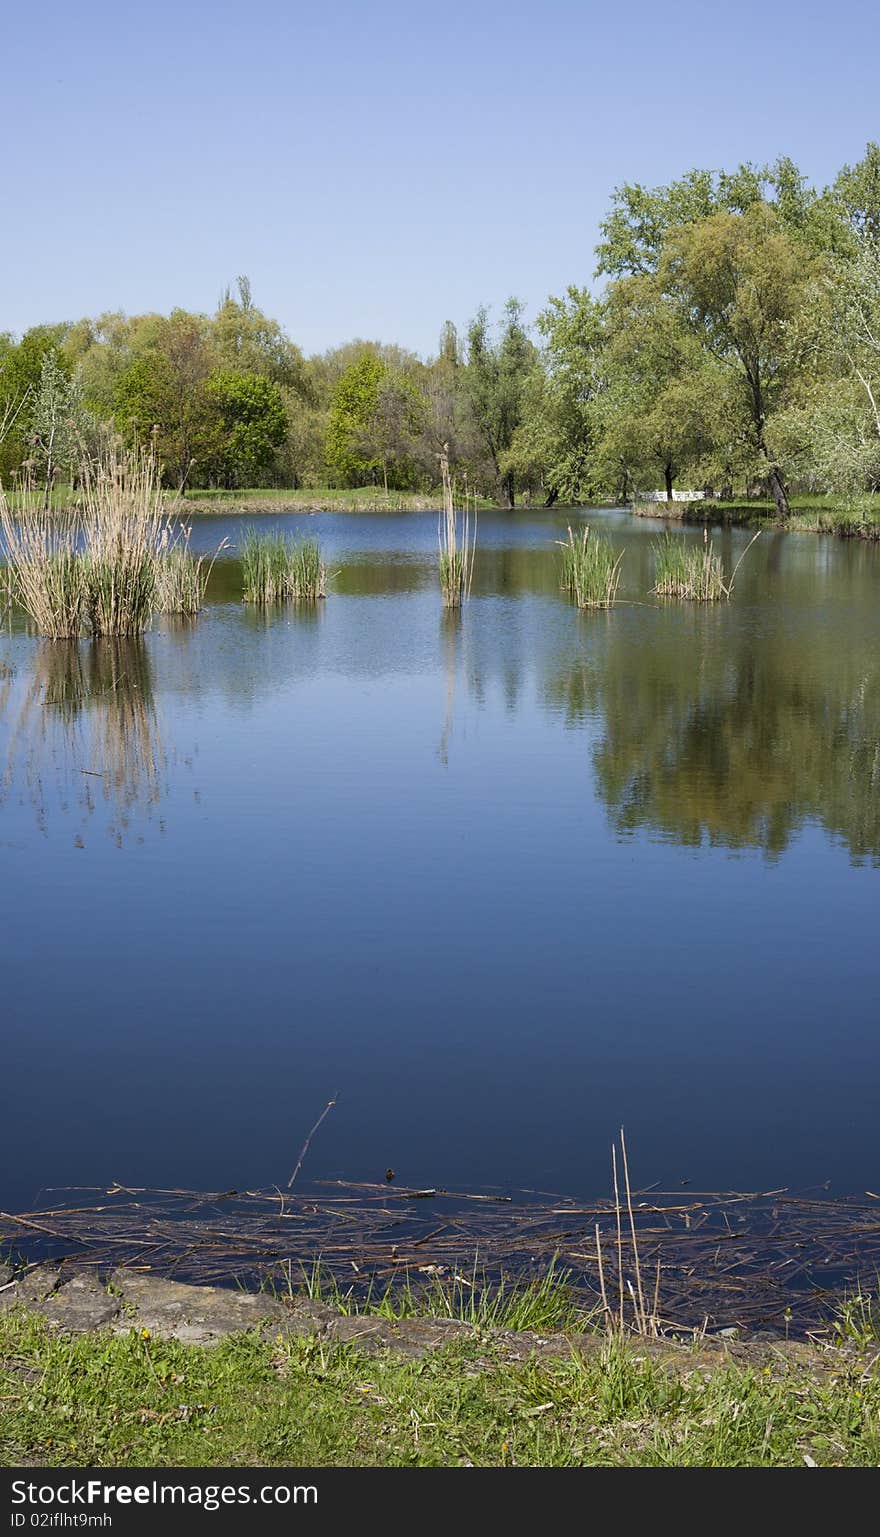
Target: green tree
(249, 423)
(555, 440)
(162, 396)
(840, 418)
(657, 416)
(58, 421)
(857, 192)
(495, 382)
(354, 400)
(642, 219)
(21, 367)
(244, 338)
(742, 283)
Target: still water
(502, 880)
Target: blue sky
(377, 168)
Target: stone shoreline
(205, 1315)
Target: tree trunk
(667, 475)
(552, 496)
(780, 495)
(507, 492)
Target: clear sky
(379, 167)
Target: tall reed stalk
(457, 540)
(631, 1311)
(590, 570)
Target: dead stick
(308, 1142)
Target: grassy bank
(809, 515)
(311, 500)
(132, 1400)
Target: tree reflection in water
(726, 739)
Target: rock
(200, 1315)
(5, 1274)
(33, 1287)
(413, 1337)
(305, 1318)
(79, 1305)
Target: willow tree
(658, 414)
(742, 283)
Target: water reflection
(711, 734)
(84, 738)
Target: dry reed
(458, 542)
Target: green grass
(99, 1400)
(313, 499)
(857, 1318)
(590, 570)
(546, 1304)
(275, 568)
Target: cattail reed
(590, 569)
(276, 569)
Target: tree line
(730, 342)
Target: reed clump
(276, 569)
(46, 572)
(687, 571)
(106, 567)
(590, 569)
(457, 539)
(181, 578)
(693, 573)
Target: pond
(503, 880)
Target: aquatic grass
(544, 1303)
(457, 540)
(685, 571)
(695, 574)
(307, 574)
(121, 589)
(179, 583)
(276, 569)
(590, 570)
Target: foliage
(354, 403)
(58, 422)
(248, 420)
(494, 381)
